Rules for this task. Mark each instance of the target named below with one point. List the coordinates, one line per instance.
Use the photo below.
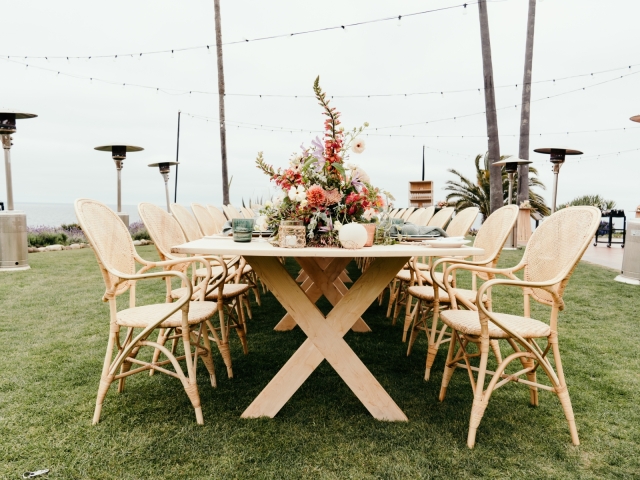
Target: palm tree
(223, 132)
(525, 113)
(468, 193)
(490, 106)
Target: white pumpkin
(352, 236)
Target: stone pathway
(604, 256)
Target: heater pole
(6, 145)
(175, 189)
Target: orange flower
(316, 195)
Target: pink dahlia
(332, 196)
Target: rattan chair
(207, 223)
(431, 300)
(441, 218)
(231, 212)
(407, 213)
(117, 259)
(218, 217)
(426, 217)
(165, 233)
(460, 225)
(248, 213)
(550, 258)
(415, 215)
(457, 227)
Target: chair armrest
(485, 315)
(143, 276)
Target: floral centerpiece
(319, 187)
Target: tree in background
(525, 112)
(469, 193)
(490, 109)
(223, 132)
(590, 200)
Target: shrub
(590, 200)
(139, 231)
(42, 236)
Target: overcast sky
(53, 156)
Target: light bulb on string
(399, 22)
(464, 10)
(171, 53)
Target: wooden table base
(323, 276)
(325, 334)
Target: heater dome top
(550, 150)
(128, 148)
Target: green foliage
(70, 227)
(590, 200)
(470, 193)
(138, 231)
(44, 239)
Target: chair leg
(565, 401)
(449, 367)
(434, 343)
(415, 316)
(223, 344)
(480, 398)
(562, 392)
(207, 358)
(392, 297)
(105, 378)
(495, 346)
(241, 328)
(477, 411)
(247, 305)
(189, 383)
(408, 317)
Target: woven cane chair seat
(215, 271)
(426, 292)
(466, 322)
(229, 290)
(142, 317)
(405, 275)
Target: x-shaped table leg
(323, 278)
(325, 338)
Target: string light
(381, 95)
(275, 128)
(271, 37)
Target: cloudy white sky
(53, 156)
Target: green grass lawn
(54, 331)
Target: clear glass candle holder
(292, 234)
(242, 229)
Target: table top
(226, 246)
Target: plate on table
(448, 243)
(222, 236)
(416, 238)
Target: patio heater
(557, 159)
(119, 153)
(164, 168)
(511, 167)
(13, 223)
(630, 272)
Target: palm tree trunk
(223, 132)
(525, 114)
(495, 172)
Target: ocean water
(56, 214)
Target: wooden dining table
(324, 333)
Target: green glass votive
(242, 229)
